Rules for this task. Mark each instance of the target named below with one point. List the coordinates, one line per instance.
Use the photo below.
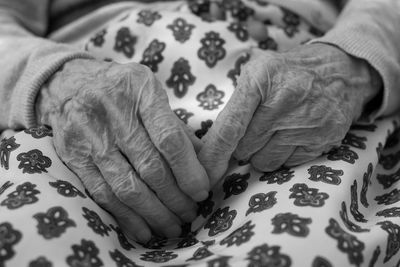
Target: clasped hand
(114, 128)
(289, 108)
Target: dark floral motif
(393, 240)
(121, 260)
(343, 153)
(5, 186)
(379, 150)
(364, 127)
(188, 241)
(205, 125)
(268, 44)
(238, 9)
(321, 262)
(222, 261)
(95, 222)
(181, 29)
(241, 235)
(388, 180)
(292, 22)
(355, 141)
(375, 257)
(389, 198)
(67, 189)
(201, 253)
(98, 39)
(366, 183)
(53, 223)
(348, 223)
(183, 114)
(156, 242)
(389, 161)
(123, 241)
(86, 254)
(158, 256)
(199, 7)
(392, 212)
(280, 176)
(261, 201)
(265, 255)
(6, 147)
(24, 194)
(305, 196)
(40, 262)
(33, 161)
(148, 17)
(234, 73)
(181, 77)
(206, 206)
(125, 42)
(212, 49)
(325, 174)
(347, 243)
(210, 98)
(315, 31)
(358, 216)
(291, 224)
(8, 238)
(152, 56)
(39, 132)
(235, 184)
(393, 139)
(220, 221)
(239, 30)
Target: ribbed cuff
(364, 46)
(36, 73)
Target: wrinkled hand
(289, 108)
(114, 128)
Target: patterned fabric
(341, 209)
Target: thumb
(229, 127)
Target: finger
(304, 154)
(273, 155)
(229, 127)
(257, 135)
(190, 132)
(134, 226)
(153, 170)
(168, 136)
(132, 191)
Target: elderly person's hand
(289, 108)
(114, 128)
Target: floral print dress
(341, 209)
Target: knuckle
(154, 174)
(101, 194)
(129, 191)
(172, 147)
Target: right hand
(114, 128)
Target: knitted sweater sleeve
(27, 59)
(369, 29)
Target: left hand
(289, 108)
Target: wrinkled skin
(114, 128)
(289, 108)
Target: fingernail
(143, 236)
(189, 216)
(200, 196)
(173, 231)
